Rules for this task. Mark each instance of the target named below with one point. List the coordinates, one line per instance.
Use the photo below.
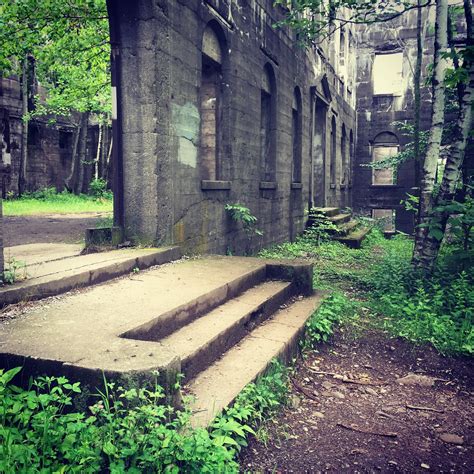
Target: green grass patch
(49, 202)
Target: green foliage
(10, 274)
(241, 214)
(49, 201)
(126, 431)
(254, 406)
(69, 42)
(98, 189)
(437, 310)
(334, 310)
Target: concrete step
(217, 387)
(355, 238)
(345, 228)
(340, 218)
(207, 338)
(49, 277)
(328, 211)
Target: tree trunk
(97, 157)
(69, 181)
(454, 161)
(436, 130)
(108, 162)
(417, 93)
(22, 175)
(82, 153)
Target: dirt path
(370, 424)
(68, 228)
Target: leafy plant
(241, 214)
(98, 189)
(11, 272)
(334, 310)
(321, 229)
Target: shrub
(98, 189)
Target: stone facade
(215, 106)
(386, 57)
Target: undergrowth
(48, 201)
(438, 310)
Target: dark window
(296, 130)
(65, 139)
(268, 125)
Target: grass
(438, 310)
(60, 203)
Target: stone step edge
(242, 325)
(56, 286)
(355, 238)
(222, 374)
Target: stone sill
(342, 186)
(296, 185)
(268, 185)
(215, 185)
(332, 186)
(388, 95)
(385, 186)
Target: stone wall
(377, 112)
(169, 195)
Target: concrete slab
(83, 330)
(218, 386)
(31, 254)
(52, 277)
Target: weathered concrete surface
(31, 254)
(81, 335)
(51, 277)
(216, 387)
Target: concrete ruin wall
(49, 146)
(376, 113)
(168, 195)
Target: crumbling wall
(378, 112)
(167, 196)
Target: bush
(98, 189)
(127, 430)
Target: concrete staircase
(218, 320)
(350, 232)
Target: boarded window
(267, 125)
(387, 74)
(333, 164)
(210, 86)
(386, 218)
(296, 136)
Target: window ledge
(342, 186)
(296, 185)
(268, 185)
(215, 185)
(332, 186)
(389, 186)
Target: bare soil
(68, 228)
(348, 412)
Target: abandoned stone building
(213, 105)
(50, 145)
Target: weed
(98, 189)
(11, 272)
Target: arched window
(333, 165)
(210, 102)
(296, 130)
(344, 171)
(384, 146)
(268, 125)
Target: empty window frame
(384, 146)
(351, 157)
(210, 103)
(296, 130)
(387, 74)
(268, 125)
(386, 218)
